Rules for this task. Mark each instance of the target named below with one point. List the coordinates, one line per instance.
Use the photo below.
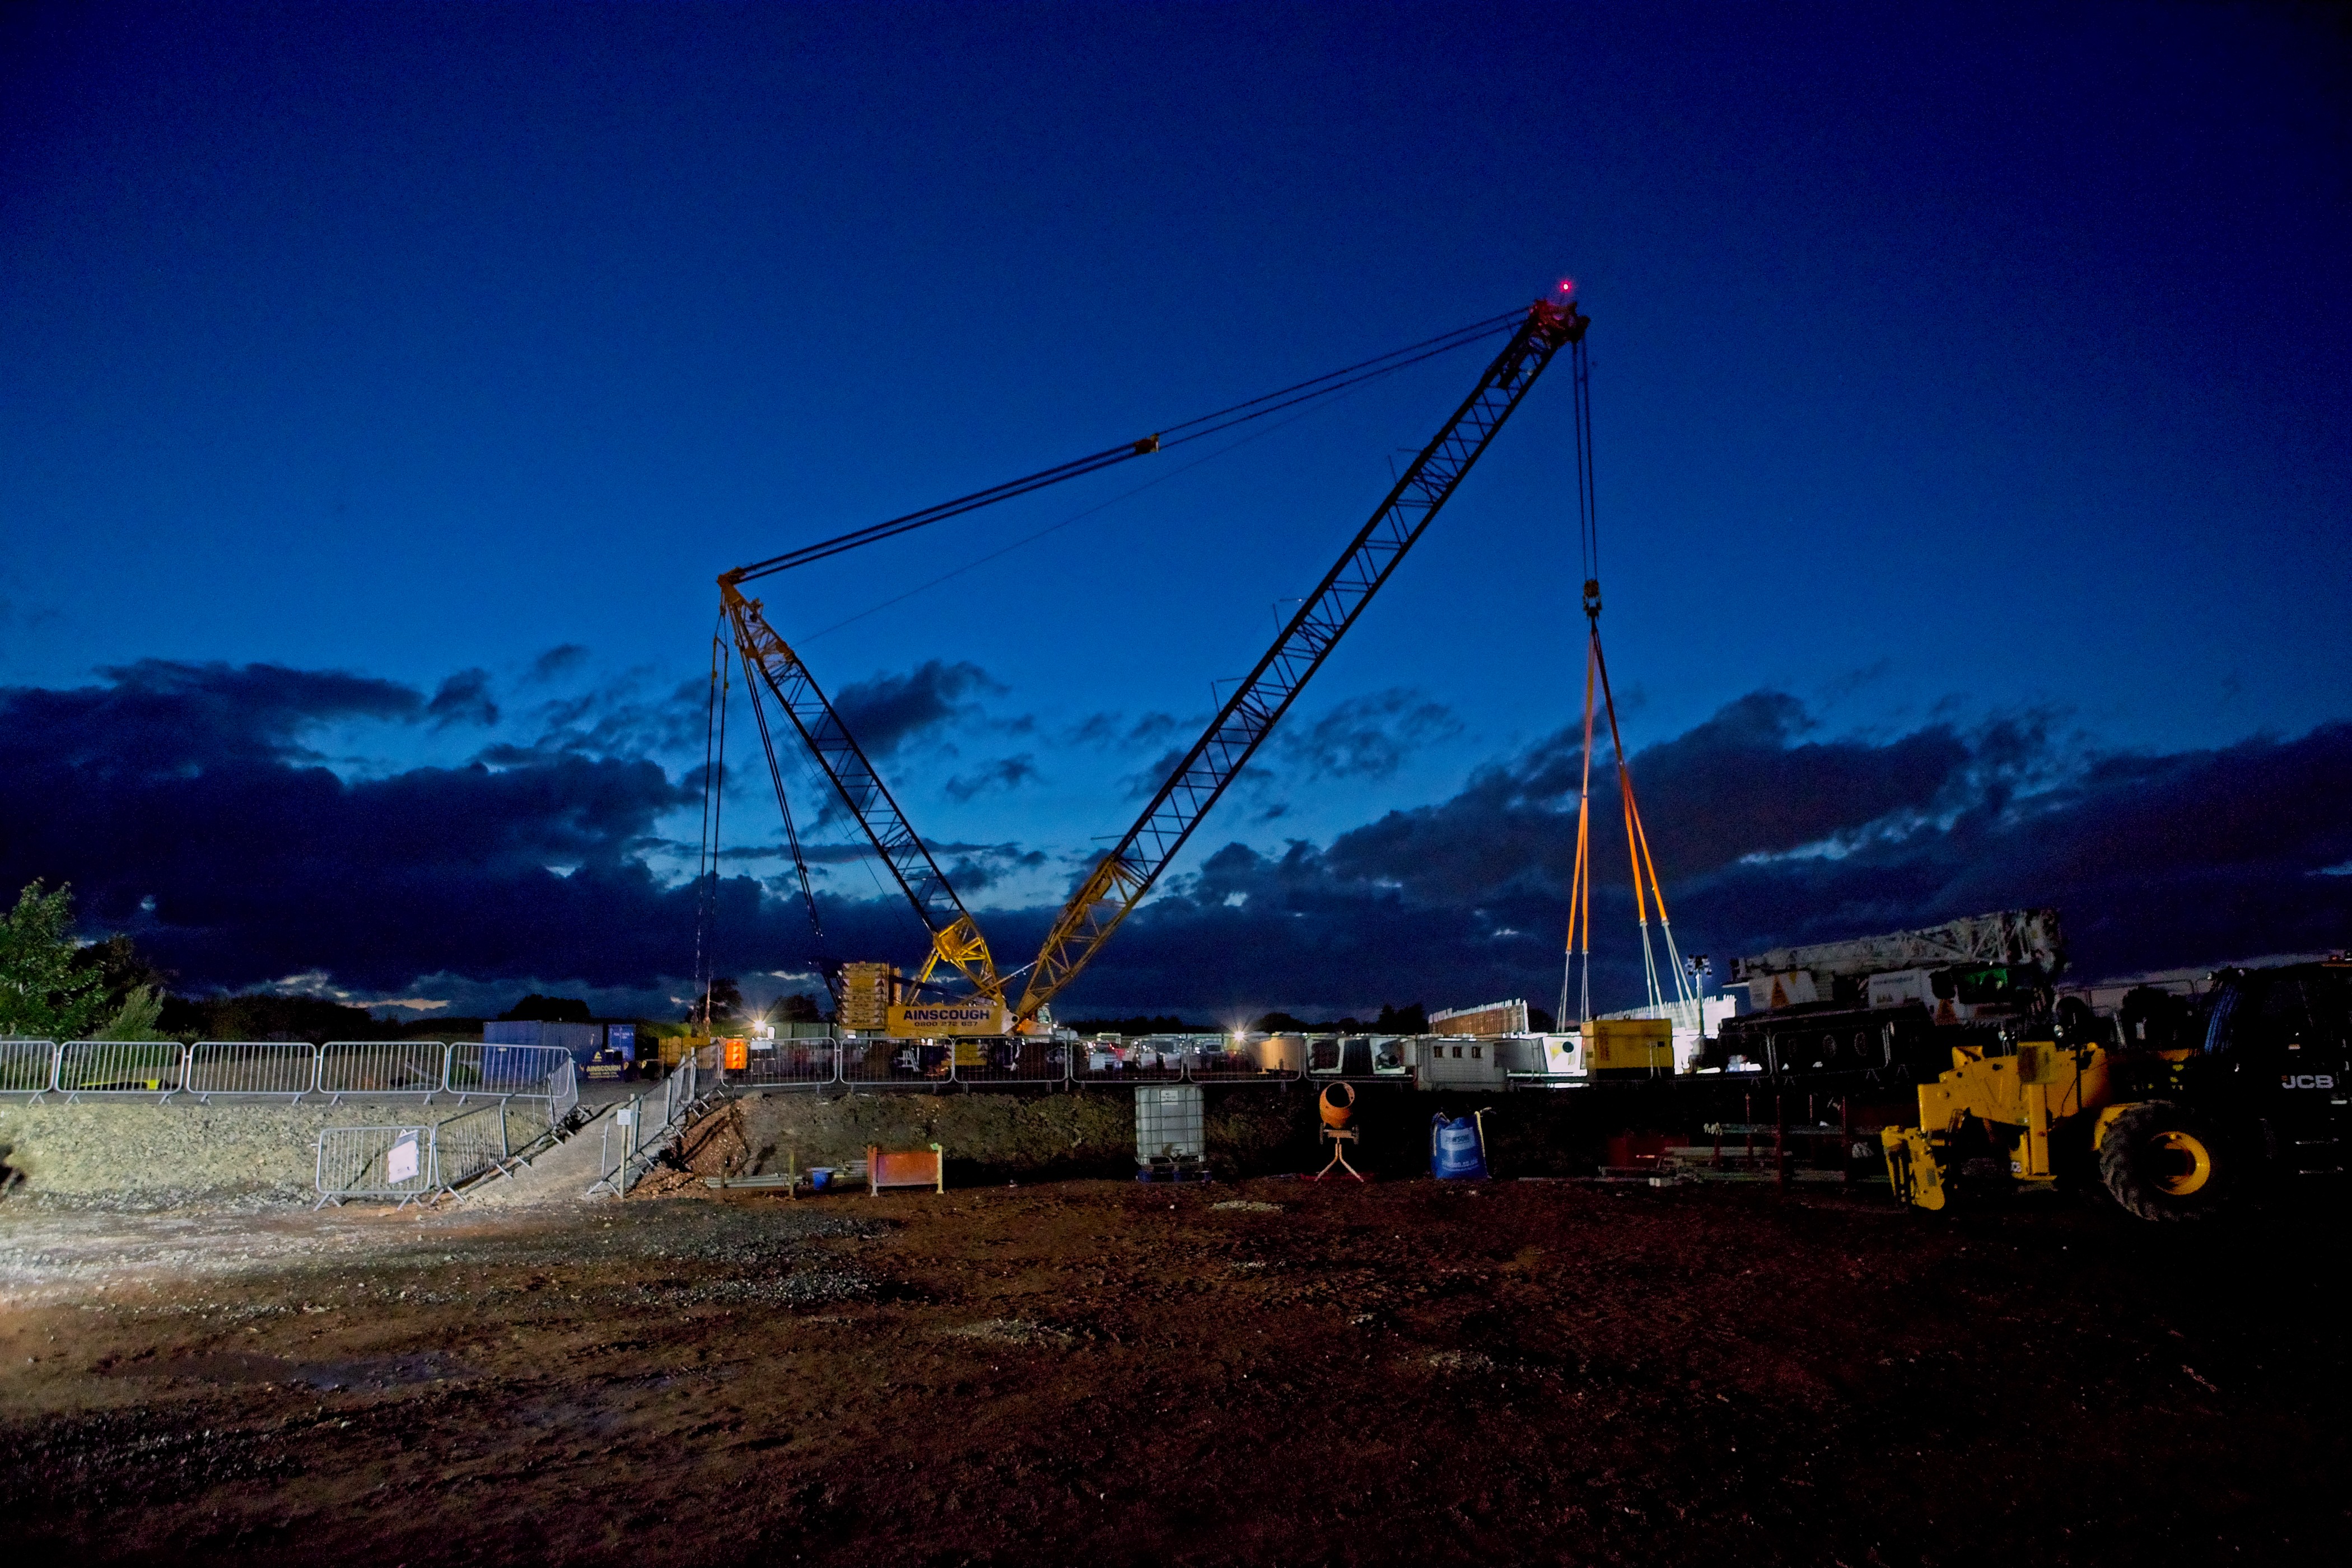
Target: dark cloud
(557, 661)
(982, 866)
(463, 699)
(1367, 737)
(1108, 729)
(888, 710)
(1004, 774)
(182, 803)
(1763, 837)
(1740, 785)
(1145, 781)
(163, 716)
(618, 720)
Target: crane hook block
(1148, 446)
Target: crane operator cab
(2277, 1052)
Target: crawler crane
(976, 999)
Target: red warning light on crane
(1568, 285)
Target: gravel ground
(1112, 1374)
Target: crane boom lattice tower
(956, 939)
(1121, 878)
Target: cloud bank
(185, 803)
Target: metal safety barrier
(470, 1144)
(1232, 1067)
(378, 1068)
(679, 1089)
(789, 1064)
(628, 1121)
(27, 1067)
(121, 1068)
(1031, 1062)
(547, 1078)
(255, 1069)
(514, 1072)
(634, 1136)
(565, 1094)
(1010, 1061)
(375, 1162)
(908, 1063)
(1098, 1064)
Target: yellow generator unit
(1616, 1047)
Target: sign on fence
(375, 1162)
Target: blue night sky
(386, 384)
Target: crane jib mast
(1121, 878)
(769, 661)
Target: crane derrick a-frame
(1124, 876)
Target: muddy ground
(1265, 1371)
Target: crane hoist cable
(706, 866)
(1577, 978)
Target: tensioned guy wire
(1195, 429)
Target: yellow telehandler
(2253, 1081)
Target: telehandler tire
(2162, 1163)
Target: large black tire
(2161, 1162)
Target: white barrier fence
(290, 1071)
(259, 1069)
(414, 1162)
(27, 1067)
(377, 1068)
(117, 1069)
(376, 1163)
(426, 1070)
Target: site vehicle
(2173, 1121)
(1898, 1004)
